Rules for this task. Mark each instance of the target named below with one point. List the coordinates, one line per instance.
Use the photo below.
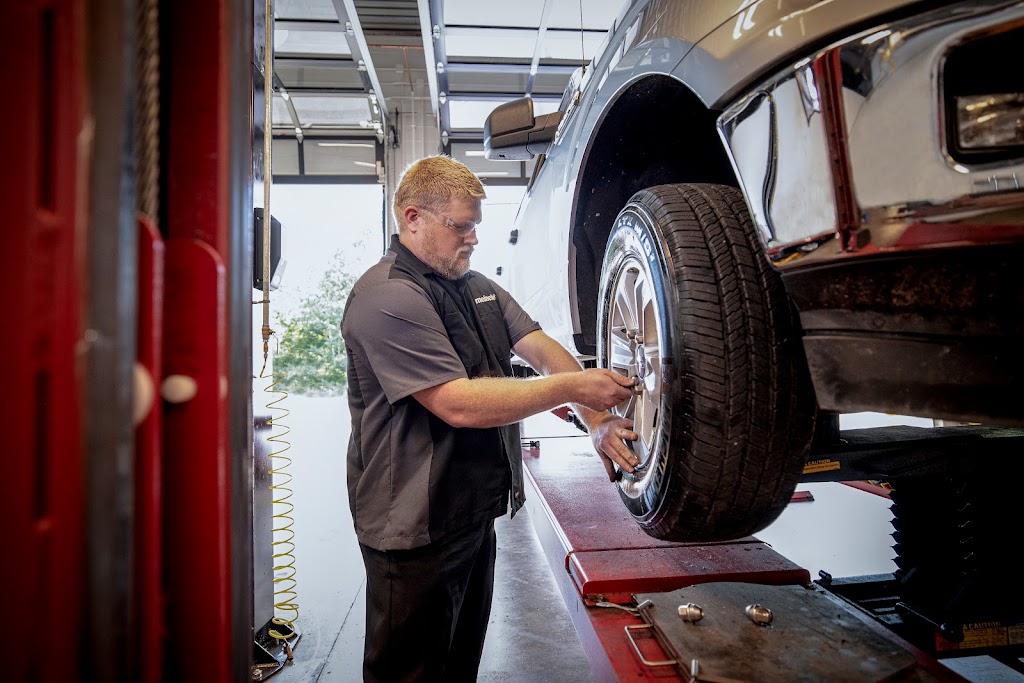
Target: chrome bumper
(841, 162)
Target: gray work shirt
(398, 459)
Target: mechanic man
(434, 455)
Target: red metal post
(828, 73)
(196, 491)
(197, 467)
(42, 173)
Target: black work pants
(427, 608)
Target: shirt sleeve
(394, 327)
(517, 321)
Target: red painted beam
(876, 489)
(616, 574)
(196, 492)
(42, 176)
(197, 466)
(802, 497)
(197, 156)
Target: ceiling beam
(427, 31)
(510, 68)
(349, 19)
(439, 65)
(541, 30)
(326, 92)
(498, 96)
(325, 25)
(296, 123)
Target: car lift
(739, 611)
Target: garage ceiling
(346, 71)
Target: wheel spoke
(654, 365)
(625, 409)
(637, 302)
(647, 423)
(648, 317)
(625, 305)
(620, 355)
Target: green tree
(311, 355)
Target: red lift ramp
(605, 565)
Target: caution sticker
(982, 634)
(823, 465)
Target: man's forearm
(566, 362)
(493, 401)
(549, 357)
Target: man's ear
(413, 218)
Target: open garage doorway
(330, 234)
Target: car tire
(724, 407)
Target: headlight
(984, 102)
(990, 121)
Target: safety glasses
(463, 230)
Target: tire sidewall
(636, 236)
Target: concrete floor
(530, 637)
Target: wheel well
(656, 132)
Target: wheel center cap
(641, 362)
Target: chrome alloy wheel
(633, 348)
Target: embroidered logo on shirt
(485, 299)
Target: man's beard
(447, 265)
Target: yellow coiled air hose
(286, 609)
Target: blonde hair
(430, 182)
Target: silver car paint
(741, 51)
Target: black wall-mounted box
(257, 251)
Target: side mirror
(511, 133)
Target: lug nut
(691, 612)
(762, 616)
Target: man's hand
(601, 389)
(608, 436)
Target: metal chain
(147, 113)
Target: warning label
(984, 634)
(824, 465)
